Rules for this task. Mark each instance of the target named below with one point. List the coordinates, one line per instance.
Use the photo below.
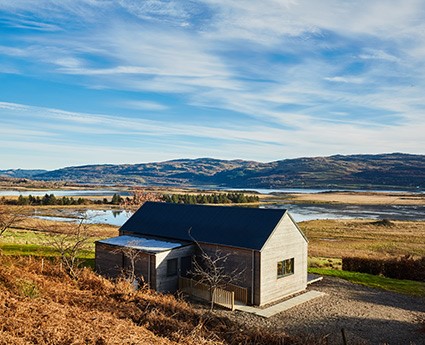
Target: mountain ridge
(380, 171)
(21, 173)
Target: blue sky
(126, 81)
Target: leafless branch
(132, 255)
(212, 270)
(10, 216)
(70, 240)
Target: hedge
(402, 268)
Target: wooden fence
(220, 296)
(241, 294)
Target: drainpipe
(149, 270)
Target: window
(285, 267)
(185, 265)
(172, 267)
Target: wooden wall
(286, 242)
(111, 262)
(244, 262)
(108, 262)
(166, 283)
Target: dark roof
(232, 226)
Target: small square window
(172, 267)
(285, 267)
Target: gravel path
(368, 316)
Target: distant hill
(383, 171)
(20, 173)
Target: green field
(41, 243)
(407, 287)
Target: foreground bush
(399, 268)
(41, 304)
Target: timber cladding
(113, 262)
(108, 262)
(286, 242)
(165, 282)
(243, 263)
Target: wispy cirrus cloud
(144, 105)
(65, 131)
(289, 76)
(373, 54)
(342, 79)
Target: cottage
(265, 244)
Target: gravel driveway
(368, 316)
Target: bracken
(93, 310)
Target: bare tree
(212, 270)
(132, 256)
(70, 240)
(139, 197)
(10, 216)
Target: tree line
(214, 198)
(52, 200)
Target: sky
(131, 81)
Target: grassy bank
(364, 238)
(41, 238)
(407, 287)
(39, 243)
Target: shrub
(28, 288)
(384, 222)
(402, 268)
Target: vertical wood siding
(286, 242)
(240, 260)
(111, 262)
(107, 262)
(165, 283)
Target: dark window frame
(172, 267)
(285, 267)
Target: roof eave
(277, 225)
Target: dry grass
(48, 226)
(40, 240)
(40, 304)
(364, 238)
(361, 198)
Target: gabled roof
(241, 227)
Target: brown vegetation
(70, 241)
(361, 198)
(40, 304)
(399, 268)
(9, 217)
(364, 238)
(25, 183)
